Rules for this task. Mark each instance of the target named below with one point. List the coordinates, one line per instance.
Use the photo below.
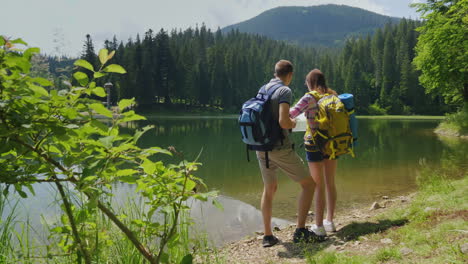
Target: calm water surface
(388, 158)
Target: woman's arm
(301, 106)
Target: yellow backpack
(333, 136)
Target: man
(285, 158)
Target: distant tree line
(198, 67)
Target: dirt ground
(355, 224)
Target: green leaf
(190, 185)
(2, 40)
(99, 125)
(98, 75)
(111, 55)
(54, 149)
(126, 172)
(115, 68)
(124, 103)
(107, 141)
(140, 133)
(217, 204)
(156, 150)
(148, 166)
(84, 64)
(72, 126)
(101, 109)
(188, 259)
(30, 52)
(128, 179)
(18, 41)
(19, 190)
(99, 91)
(131, 116)
(90, 178)
(201, 197)
(103, 53)
(31, 189)
(38, 90)
(41, 81)
(81, 77)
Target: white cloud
(37, 21)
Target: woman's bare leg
(316, 171)
(330, 171)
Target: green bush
(65, 138)
(459, 120)
(376, 109)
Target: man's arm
(284, 120)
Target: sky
(59, 27)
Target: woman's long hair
(316, 79)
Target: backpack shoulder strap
(317, 95)
(267, 94)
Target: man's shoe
(329, 226)
(318, 230)
(269, 241)
(305, 235)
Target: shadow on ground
(354, 230)
(349, 232)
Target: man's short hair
(283, 68)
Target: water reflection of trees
(401, 140)
(387, 156)
(188, 127)
(455, 155)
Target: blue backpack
(260, 131)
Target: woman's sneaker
(329, 226)
(319, 230)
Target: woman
(321, 167)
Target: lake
(389, 155)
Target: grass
(400, 117)
(456, 123)
(436, 227)
(19, 244)
(6, 228)
(16, 237)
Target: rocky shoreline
(357, 223)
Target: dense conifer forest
(197, 68)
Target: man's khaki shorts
(285, 159)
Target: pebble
(356, 243)
(260, 238)
(464, 248)
(259, 232)
(386, 241)
(276, 228)
(375, 206)
(405, 251)
(428, 209)
(339, 242)
(310, 213)
(385, 197)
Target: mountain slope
(326, 25)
